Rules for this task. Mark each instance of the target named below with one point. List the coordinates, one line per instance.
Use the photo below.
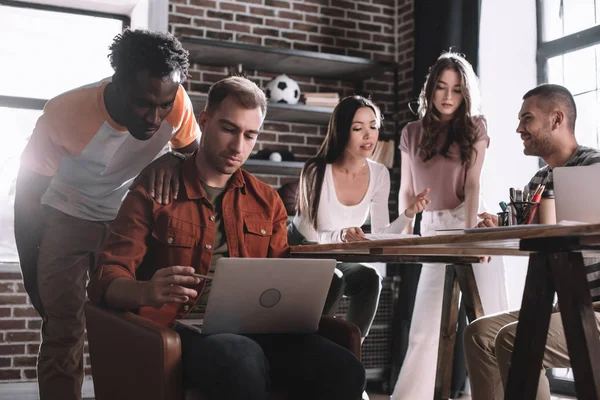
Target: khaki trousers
(68, 252)
(488, 350)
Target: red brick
(305, 27)
(278, 24)
(384, 39)
(262, 11)
(383, 20)
(340, 23)
(294, 36)
(190, 11)
(13, 299)
(320, 39)
(272, 146)
(287, 179)
(332, 12)
(22, 336)
(207, 23)
(267, 137)
(225, 16)
(9, 374)
(249, 19)
(34, 324)
(265, 31)
(369, 8)
(291, 139)
(251, 1)
(277, 43)
(306, 150)
(346, 5)
(305, 47)
(248, 39)
(180, 31)
(387, 3)
(346, 43)
(178, 19)
(369, 27)
(7, 287)
(330, 31)
(305, 7)
(4, 362)
(25, 361)
(373, 46)
(25, 312)
(11, 349)
(278, 3)
(204, 3)
(12, 324)
(275, 127)
(20, 288)
(312, 129)
(359, 16)
(290, 15)
(322, 2)
(318, 20)
(237, 28)
(194, 75)
(33, 348)
(314, 140)
(219, 35)
(232, 6)
(30, 373)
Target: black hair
(158, 53)
(556, 96)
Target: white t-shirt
(334, 216)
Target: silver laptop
(265, 295)
(577, 193)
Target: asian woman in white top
(339, 189)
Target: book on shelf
(321, 99)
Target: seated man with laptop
(547, 128)
(156, 258)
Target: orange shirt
(91, 158)
(147, 236)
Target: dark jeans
(236, 367)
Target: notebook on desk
(577, 193)
(265, 295)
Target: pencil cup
(522, 212)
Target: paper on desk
(388, 236)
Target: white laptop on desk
(265, 295)
(577, 193)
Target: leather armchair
(134, 358)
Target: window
(45, 51)
(569, 55)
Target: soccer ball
(283, 89)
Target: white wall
(507, 70)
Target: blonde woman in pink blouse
(443, 151)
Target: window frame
(35, 103)
(546, 50)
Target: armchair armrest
(132, 357)
(341, 332)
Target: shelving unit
(287, 168)
(298, 113)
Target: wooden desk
(555, 266)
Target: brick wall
(381, 29)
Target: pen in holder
(522, 212)
(502, 218)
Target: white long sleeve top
(334, 216)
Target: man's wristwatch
(179, 155)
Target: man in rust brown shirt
(149, 260)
